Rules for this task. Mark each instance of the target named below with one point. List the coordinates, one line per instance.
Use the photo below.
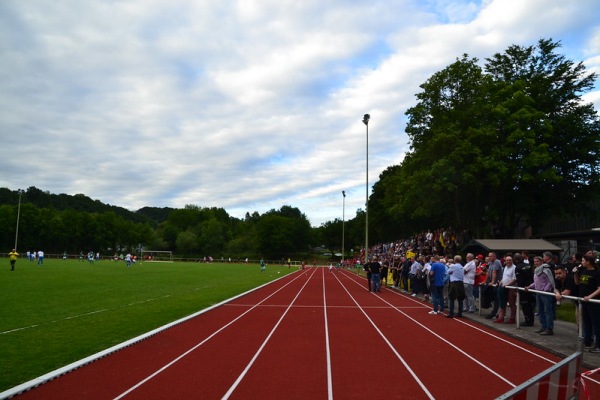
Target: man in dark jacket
(524, 274)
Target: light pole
(366, 122)
(18, 215)
(343, 223)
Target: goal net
(157, 255)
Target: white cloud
(247, 105)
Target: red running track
(313, 334)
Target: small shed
(501, 246)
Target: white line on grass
(95, 312)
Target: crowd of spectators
(428, 266)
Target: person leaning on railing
(587, 279)
(543, 281)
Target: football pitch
(61, 312)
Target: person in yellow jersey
(12, 256)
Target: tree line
(495, 149)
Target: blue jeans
(437, 295)
(545, 307)
(376, 282)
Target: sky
(246, 105)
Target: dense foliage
(59, 223)
(496, 149)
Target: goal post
(157, 255)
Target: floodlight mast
(365, 121)
(343, 223)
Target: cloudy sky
(247, 105)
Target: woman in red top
(480, 274)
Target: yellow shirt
(13, 255)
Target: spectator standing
(524, 276)
(480, 275)
(548, 259)
(565, 283)
(426, 278)
(469, 281)
(494, 277)
(405, 272)
(384, 273)
(587, 278)
(543, 281)
(367, 268)
(375, 268)
(437, 275)
(507, 295)
(415, 270)
(456, 289)
(12, 257)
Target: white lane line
(510, 343)
(327, 348)
(175, 360)
(385, 339)
(488, 333)
(489, 369)
(262, 346)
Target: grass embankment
(54, 315)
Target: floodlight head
(344, 193)
(366, 119)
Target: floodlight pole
(366, 122)
(18, 216)
(343, 223)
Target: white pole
(343, 223)
(366, 122)
(18, 216)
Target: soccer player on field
(12, 256)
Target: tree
(501, 147)
(187, 242)
(549, 137)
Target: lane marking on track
(262, 346)
(489, 369)
(327, 348)
(310, 306)
(190, 350)
(471, 325)
(385, 339)
(509, 342)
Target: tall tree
(501, 147)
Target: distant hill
(80, 202)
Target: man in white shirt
(469, 281)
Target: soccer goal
(157, 255)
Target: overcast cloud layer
(246, 105)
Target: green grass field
(54, 315)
